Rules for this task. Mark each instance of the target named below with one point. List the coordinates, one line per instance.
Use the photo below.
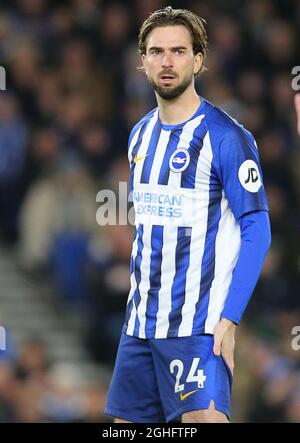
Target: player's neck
(179, 110)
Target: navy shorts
(157, 380)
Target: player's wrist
(228, 323)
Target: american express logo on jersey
(160, 204)
(157, 206)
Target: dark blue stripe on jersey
(148, 162)
(132, 258)
(136, 127)
(132, 263)
(135, 150)
(136, 269)
(155, 276)
(189, 174)
(146, 119)
(208, 260)
(137, 272)
(182, 259)
(171, 147)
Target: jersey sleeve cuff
(236, 320)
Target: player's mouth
(167, 79)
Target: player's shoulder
(222, 127)
(141, 122)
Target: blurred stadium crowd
(73, 94)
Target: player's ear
(198, 62)
(143, 59)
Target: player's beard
(170, 92)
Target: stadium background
(73, 93)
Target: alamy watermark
(2, 339)
(114, 210)
(2, 88)
(156, 206)
(296, 340)
(2, 79)
(296, 79)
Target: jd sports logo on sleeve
(249, 176)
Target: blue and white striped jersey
(190, 183)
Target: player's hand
(297, 107)
(224, 341)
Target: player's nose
(167, 61)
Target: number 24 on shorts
(194, 375)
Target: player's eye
(179, 51)
(155, 51)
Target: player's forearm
(255, 242)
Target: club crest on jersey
(179, 160)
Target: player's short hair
(172, 17)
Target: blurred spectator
(33, 361)
(13, 140)
(109, 285)
(62, 203)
